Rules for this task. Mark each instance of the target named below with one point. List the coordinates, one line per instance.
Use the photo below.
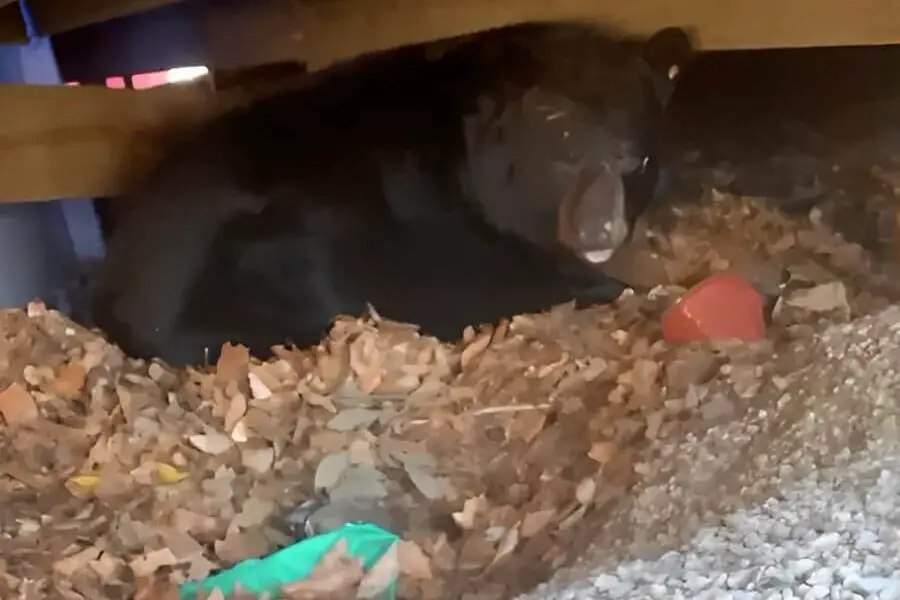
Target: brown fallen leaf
(70, 565)
(475, 349)
(821, 298)
(534, 522)
(258, 460)
(413, 560)
(233, 364)
(213, 443)
(107, 566)
(507, 545)
(602, 452)
(151, 588)
(586, 490)
(149, 563)
(527, 425)
(237, 408)
(241, 546)
(17, 405)
(70, 381)
(258, 388)
(472, 507)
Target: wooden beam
(56, 16)
(240, 33)
(327, 30)
(247, 34)
(59, 141)
(330, 30)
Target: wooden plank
(334, 29)
(326, 30)
(58, 141)
(318, 32)
(247, 34)
(239, 33)
(56, 16)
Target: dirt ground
(498, 461)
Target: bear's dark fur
(444, 190)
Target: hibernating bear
(445, 184)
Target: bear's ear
(668, 52)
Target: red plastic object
(721, 307)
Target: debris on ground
(792, 496)
(497, 461)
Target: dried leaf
(237, 408)
(84, 483)
(254, 512)
(70, 380)
(149, 563)
(258, 389)
(258, 460)
(431, 487)
(536, 521)
(586, 490)
(475, 349)
(233, 363)
(151, 588)
(240, 434)
(70, 565)
(602, 452)
(527, 425)
(822, 298)
(360, 453)
(169, 474)
(413, 560)
(472, 507)
(508, 544)
(330, 470)
(17, 405)
(359, 481)
(213, 443)
(353, 418)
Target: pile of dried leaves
(494, 460)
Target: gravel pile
(817, 516)
(833, 535)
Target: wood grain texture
(58, 141)
(335, 29)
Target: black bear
(444, 190)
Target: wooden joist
(334, 29)
(58, 141)
(61, 142)
(321, 31)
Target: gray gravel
(814, 515)
(833, 535)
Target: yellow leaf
(169, 474)
(85, 483)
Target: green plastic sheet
(260, 575)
